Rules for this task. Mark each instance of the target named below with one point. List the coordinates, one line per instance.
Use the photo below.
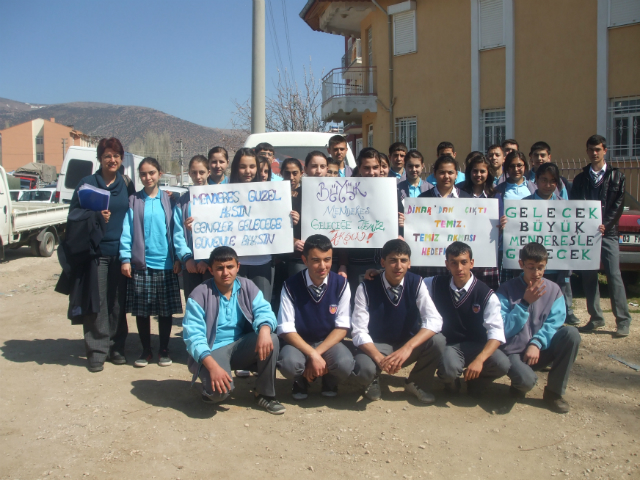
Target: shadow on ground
(49, 351)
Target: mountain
(124, 122)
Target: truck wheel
(35, 248)
(47, 244)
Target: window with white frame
(40, 157)
(493, 127)
(370, 136)
(404, 33)
(407, 131)
(624, 127)
(39, 140)
(623, 12)
(491, 24)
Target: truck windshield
(76, 171)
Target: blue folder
(93, 198)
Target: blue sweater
(181, 244)
(118, 206)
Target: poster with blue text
(252, 218)
(353, 212)
(432, 224)
(568, 229)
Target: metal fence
(341, 82)
(630, 166)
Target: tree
(158, 146)
(291, 108)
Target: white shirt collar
(387, 284)
(601, 172)
(310, 282)
(466, 285)
(453, 194)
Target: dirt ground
(57, 420)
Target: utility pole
(258, 115)
(181, 162)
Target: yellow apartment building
(39, 141)
(476, 72)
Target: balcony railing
(349, 81)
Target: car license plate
(630, 239)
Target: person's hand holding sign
(601, 229)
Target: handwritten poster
(353, 212)
(252, 218)
(432, 224)
(568, 229)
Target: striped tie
(458, 294)
(395, 292)
(317, 291)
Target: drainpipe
(391, 98)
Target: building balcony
(347, 93)
(353, 57)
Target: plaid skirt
(489, 275)
(153, 292)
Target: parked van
(80, 162)
(296, 145)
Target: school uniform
(347, 171)
(147, 243)
(183, 243)
(227, 330)
(222, 182)
(500, 179)
(562, 190)
(388, 317)
(468, 318)
(400, 177)
(409, 191)
(313, 313)
(539, 324)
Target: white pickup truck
(38, 225)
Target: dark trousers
(457, 356)
(340, 362)
(261, 275)
(563, 280)
(425, 357)
(191, 281)
(107, 330)
(164, 329)
(561, 353)
(241, 355)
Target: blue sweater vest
(388, 322)
(463, 321)
(315, 319)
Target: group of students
(147, 242)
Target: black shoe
(373, 392)
(95, 367)
(453, 387)
(300, 388)
(591, 327)
(329, 390)
(572, 320)
(555, 402)
(270, 404)
(622, 331)
(517, 394)
(117, 358)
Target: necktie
(317, 291)
(395, 292)
(458, 294)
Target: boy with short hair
(313, 320)
(509, 146)
(446, 149)
(266, 152)
(496, 156)
(338, 149)
(228, 325)
(541, 153)
(333, 167)
(470, 322)
(534, 310)
(413, 186)
(397, 152)
(600, 181)
(391, 326)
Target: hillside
(124, 122)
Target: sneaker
(622, 331)
(163, 359)
(144, 359)
(329, 390)
(95, 367)
(517, 394)
(453, 387)
(117, 358)
(300, 388)
(424, 397)
(372, 392)
(270, 404)
(242, 373)
(555, 402)
(591, 327)
(572, 320)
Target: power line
(274, 38)
(286, 33)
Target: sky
(186, 58)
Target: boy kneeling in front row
(228, 325)
(313, 320)
(534, 312)
(391, 326)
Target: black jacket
(78, 255)
(611, 196)
(432, 193)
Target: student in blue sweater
(413, 186)
(229, 325)
(533, 311)
(147, 256)
(313, 320)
